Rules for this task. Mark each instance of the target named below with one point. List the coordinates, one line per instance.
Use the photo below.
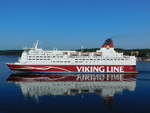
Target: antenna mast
(36, 44)
(82, 47)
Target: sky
(70, 24)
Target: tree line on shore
(135, 52)
(11, 52)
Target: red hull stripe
(75, 68)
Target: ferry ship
(104, 60)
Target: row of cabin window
(81, 59)
(84, 55)
(45, 56)
(52, 61)
(61, 61)
(101, 59)
(38, 59)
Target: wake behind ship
(104, 60)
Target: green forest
(135, 52)
(11, 52)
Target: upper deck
(104, 56)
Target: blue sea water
(32, 95)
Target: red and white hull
(74, 68)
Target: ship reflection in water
(105, 85)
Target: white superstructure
(103, 56)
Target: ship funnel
(108, 44)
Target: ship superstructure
(104, 60)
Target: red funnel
(108, 44)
